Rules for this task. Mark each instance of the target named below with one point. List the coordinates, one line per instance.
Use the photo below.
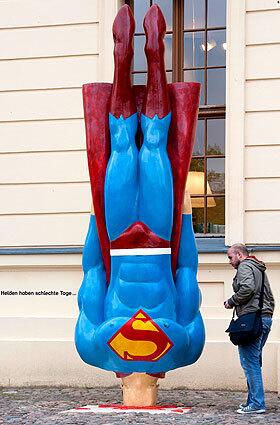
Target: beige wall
(48, 51)
(262, 140)
(253, 112)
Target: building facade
(48, 50)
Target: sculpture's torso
(135, 277)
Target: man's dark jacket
(247, 287)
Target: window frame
(206, 112)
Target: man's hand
(226, 304)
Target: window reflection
(168, 51)
(216, 13)
(197, 164)
(140, 62)
(139, 79)
(216, 137)
(194, 49)
(198, 149)
(194, 14)
(216, 81)
(216, 175)
(140, 9)
(216, 216)
(217, 55)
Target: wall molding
(206, 245)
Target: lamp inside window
(195, 187)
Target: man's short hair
(239, 247)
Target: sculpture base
(139, 389)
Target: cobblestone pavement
(43, 406)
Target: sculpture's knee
(155, 131)
(122, 132)
(153, 139)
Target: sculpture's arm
(91, 294)
(188, 292)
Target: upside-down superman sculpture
(139, 300)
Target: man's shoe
(249, 409)
(242, 405)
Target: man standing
(247, 285)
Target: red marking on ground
(121, 407)
(82, 408)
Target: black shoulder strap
(262, 292)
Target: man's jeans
(251, 362)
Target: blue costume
(146, 319)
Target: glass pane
(139, 79)
(194, 14)
(216, 137)
(217, 13)
(216, 82)
(198, 214)
(169, 76)
(195, 183)
(168, 51)
(198, 76)
(215, 175)
(197, 165)
(166, 7)
(140, 9)
(198, 149)
(140, 63)
(216, 215)
(216, 45)
(194, 48)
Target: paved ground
(43, 406)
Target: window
(195, 50)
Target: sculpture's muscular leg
(121, 174)
(156, 186)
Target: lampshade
(195, 186)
